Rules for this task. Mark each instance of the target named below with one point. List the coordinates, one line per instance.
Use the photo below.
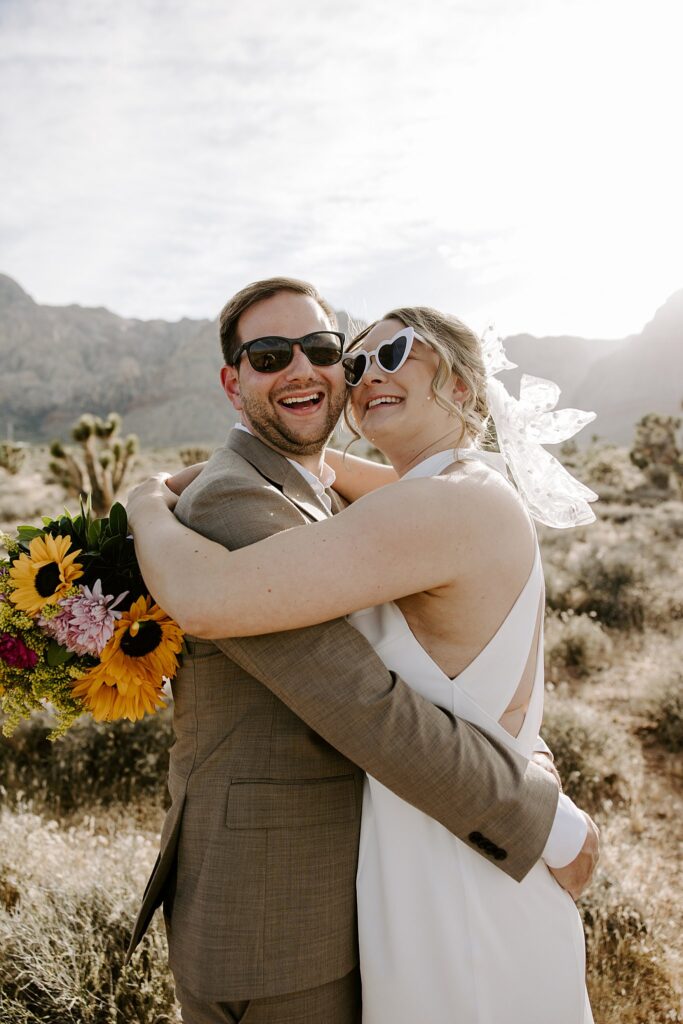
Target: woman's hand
(152, 493)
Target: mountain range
(162, 377)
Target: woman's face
(385, 404)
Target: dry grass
(69, 893)
(71, 875)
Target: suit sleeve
(329, 675)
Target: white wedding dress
(446, 937)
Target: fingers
(179, 481)
(154, 487)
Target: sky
(517, 163)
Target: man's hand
(544, 760)
(576, 876)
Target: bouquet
(78, 628)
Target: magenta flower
(14, 651)
(86, 623)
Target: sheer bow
(552, 495)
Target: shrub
(189, 456)
(94, 763)
(576, 644)
(608, 470)
(591, 758)
(609, 582)
(665, 709)
(624, 962)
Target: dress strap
(435, 464)
(493, 459)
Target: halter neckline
(434, 464)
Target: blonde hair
(459, 352)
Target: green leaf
(112, 548)
(28, 532)
(118, 520)
(94, 533)
(57, 655)
(85, 501)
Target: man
(259, 849)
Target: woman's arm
(389, 544)
(399, 540)
(357, 477)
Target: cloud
(162, 154)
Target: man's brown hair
(257, 292)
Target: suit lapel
(275, 468)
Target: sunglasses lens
(389, 356)
(268, 355)
(354, 368)
(323, 348)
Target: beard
(265, 422)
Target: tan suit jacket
(259, 848)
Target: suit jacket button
(500, 854)
(476, 838)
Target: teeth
(386, 400)
(298, 401)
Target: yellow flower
(45, 574)
(127, 682)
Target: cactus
(12, 455)
(656, 450)
(99, 469)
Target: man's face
(303, 428)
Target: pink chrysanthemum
(86, 623)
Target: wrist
(145, 509)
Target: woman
(441, 572)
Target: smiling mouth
(374, 403)
(301, 403)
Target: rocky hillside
(60, 361)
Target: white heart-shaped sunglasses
(390, 356)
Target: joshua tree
(656, 450)
(12, 455)
(101, 466)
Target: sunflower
(127, 682)
(45, 574)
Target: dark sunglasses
(268, 355)
(390, 356)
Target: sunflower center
(47, 579)
(147, 638)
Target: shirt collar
(319, 484)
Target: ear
(231, 385)
(460, 390)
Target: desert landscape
(81, 816)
